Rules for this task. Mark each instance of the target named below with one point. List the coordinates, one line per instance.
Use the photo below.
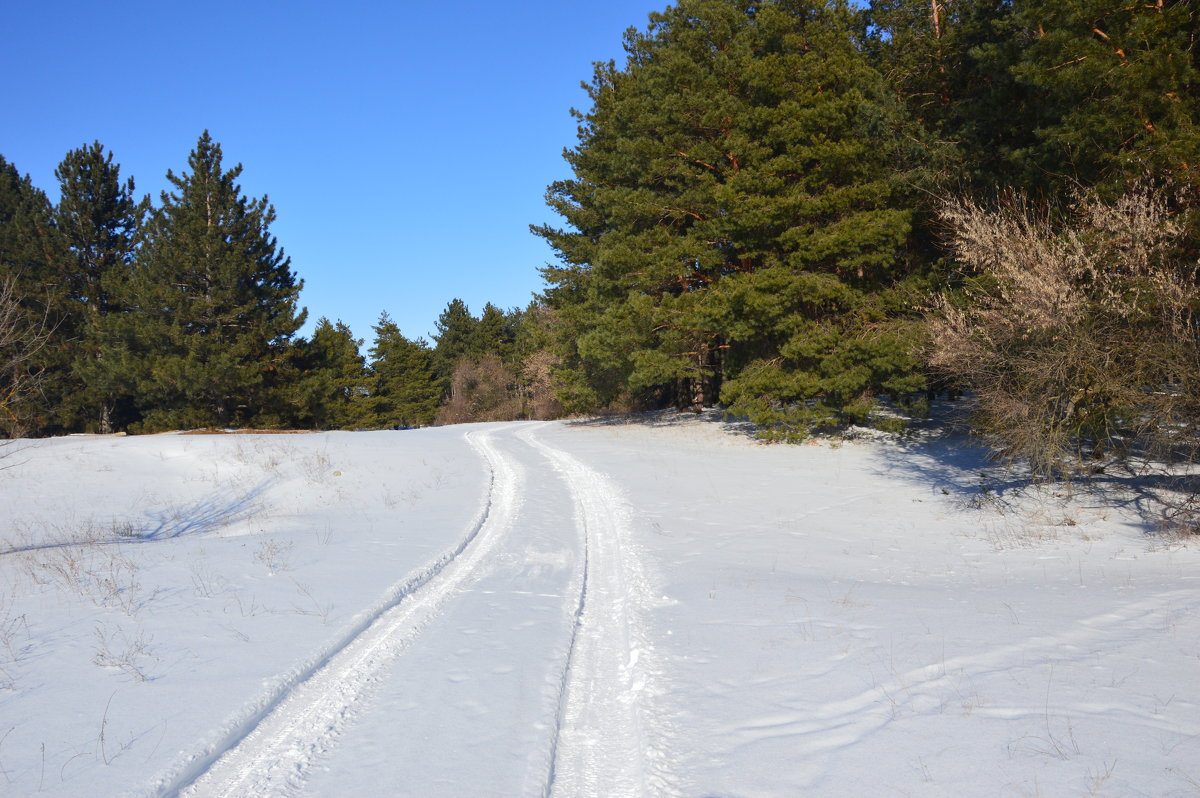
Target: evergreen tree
(407, 391)
(210, 307)
(1046, 96)
(1123, 80)
(494, 333)
(737, 216)
(30, 248)
(99, 220)
(454, 340)
(533, 330)
(332, 389)
(950, 62)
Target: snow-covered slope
(657, 607)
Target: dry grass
(15, 644)
(274, 554)
(87, 561)
(128, 653)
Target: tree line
(801, 209)
(117, 313)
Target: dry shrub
(1076, 335)
(20, 340)
(481, 390)
(538, 375)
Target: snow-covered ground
(651, 607)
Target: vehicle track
(837, 724)
(268, 751)
(601, 743)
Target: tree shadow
(939, 451)
(209, 514)
(942, 454)
(9, 448)
(660, 419)
(214, 512)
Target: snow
(647, 606)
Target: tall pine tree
(99, 220)
(494, 333)
(737, 216)
(406, 391)
(454, 340)
(208, 311)
(331, 388)
(950, 62)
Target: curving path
(514, 665)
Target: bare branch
(21, 338)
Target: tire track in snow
(837, 724)
(601, 744)
(268, 751)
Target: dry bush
(115, 648)
(275, 554)
(481, 390)
(20, 340)
(538, 376)
(98, 571)
(1077, 336)
(15, 640)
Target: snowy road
(556, 545)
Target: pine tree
(737, 219)
(1123, 80)
(494, 333)
(99, 221)
(30, 248)
(950, 62)
(332, 388)
(406, 392)
(209, 308)
(1045, 96)
(99, 217)
(455, 339)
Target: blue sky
(406, 146)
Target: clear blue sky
(406, 146)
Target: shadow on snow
(209, 514)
